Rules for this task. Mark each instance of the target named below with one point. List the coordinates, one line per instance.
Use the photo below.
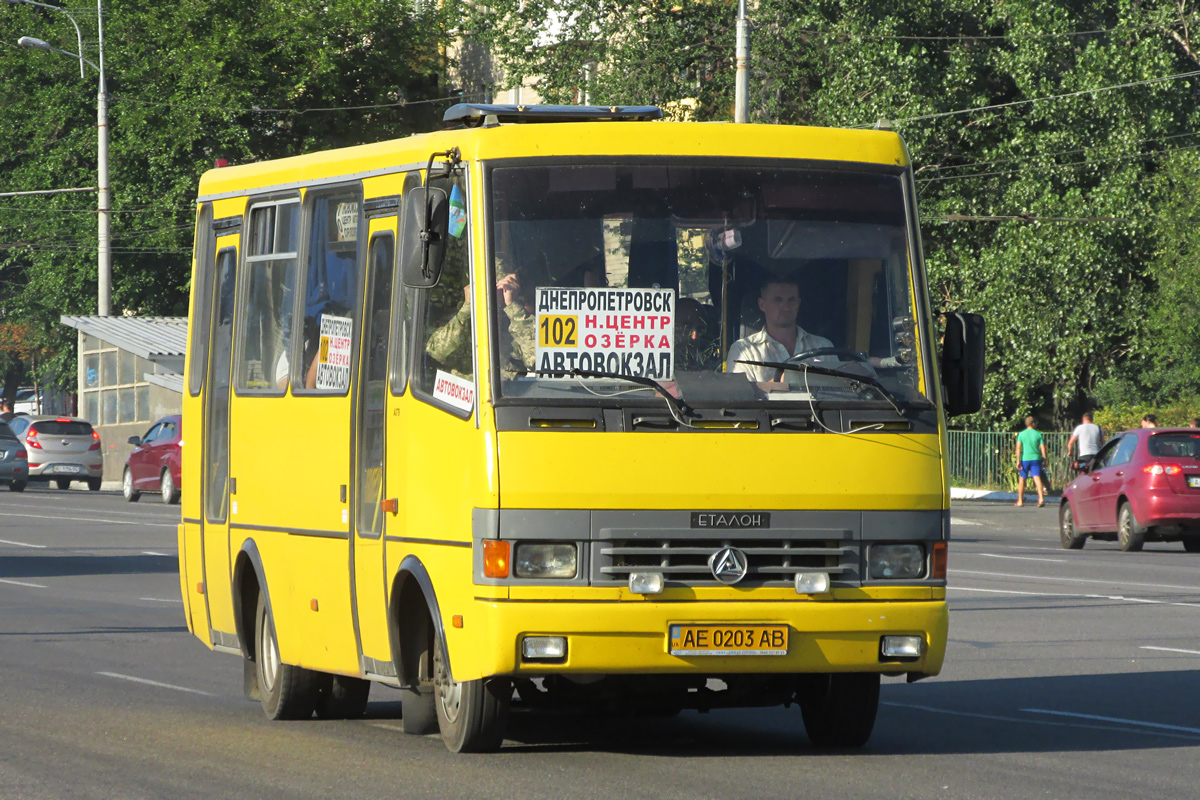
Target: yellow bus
(571, 406)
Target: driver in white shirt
(780, 339)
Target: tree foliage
(190, 82)
(1042, 208)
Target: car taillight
(96, 442)
(22, 455)
(1161, 469)
(31, 439)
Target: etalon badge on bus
(728, 565)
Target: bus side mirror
(962, 363)
(423, 247)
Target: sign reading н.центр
(622, 331)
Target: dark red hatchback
(1143, 486)
(154, 464)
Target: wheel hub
(449, 691)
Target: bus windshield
(726, 283)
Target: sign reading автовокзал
(623, 331)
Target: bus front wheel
(839, 709)
(472, 715)
(286, 692)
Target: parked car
(26, 401)
(153, 465)
(14, 460)
(1143, 486)
(61, 449)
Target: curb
(957, 493)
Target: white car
(60, 449)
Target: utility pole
(741, 102)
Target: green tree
(190, 82)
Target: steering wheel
(843, 353)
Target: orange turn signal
(391, 505)
(456, 620)
(495, 558)
(940, 556)
(199, 588)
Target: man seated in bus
(450, 344)
(780, 339)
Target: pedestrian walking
(1089, 437)
(1031, 452)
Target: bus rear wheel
(472, 715)
(839, 709)
(286, 692)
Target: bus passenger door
(370, 450)
(218, 574)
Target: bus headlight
(896, 561)
(545, 560)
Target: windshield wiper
(869, 380)
(677, 403)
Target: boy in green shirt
(1031, 452)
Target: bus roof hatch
(472, 115)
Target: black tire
(286, 692)
(1068, 534)
(93, 484)
(131, 494)
(17, 486)
(1130, 535)
(341, 697)
(1190, 543)
(170, 492)
(472, 715)
(62, 483)
(839, 709)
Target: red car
(1143, 486)
(153, 466)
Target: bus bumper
(632, 638)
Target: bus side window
(403, 312)
(330, 289)
(269, 294)
(443, 313)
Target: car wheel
(62, 483)
(1130, 535)
(170, 493)
(17, 486)
(1190, 543)
(1070, 537)
(286, 692)
(93, 484)
(839, 709)
(472, 715)
(131, 494)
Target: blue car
(14, 460)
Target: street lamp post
(104, 246)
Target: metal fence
(988, 460)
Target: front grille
(683, 560)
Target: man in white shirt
(1088, 436)
(780, 339)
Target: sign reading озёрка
(623, 331)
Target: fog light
(646, 582)
(812, 582)
(897, 561)
(893, 647)
(544, 647)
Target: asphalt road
(1069, 675)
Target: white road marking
(1192, 588)
(1023, 721)
(1027, 547)
(957, 521)
(1172, 650)
(152, 553)
(22, 583)
(160, 600)
(89, 519)
(1157, 725)
(386, 726)
(1116, 597)
(1018, 558)
(154, 683)
(23, 544)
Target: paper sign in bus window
(622, 331)
(333, 354)
(457, 392)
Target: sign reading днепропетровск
(622, 331)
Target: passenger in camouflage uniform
(451, 343)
